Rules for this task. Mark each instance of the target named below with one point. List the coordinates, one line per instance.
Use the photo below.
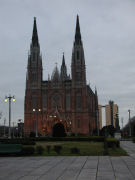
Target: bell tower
(33, 86)
(80, 117)
(78, 60)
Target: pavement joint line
(41, 175)
(97, 168)
(52, 167)
(66, 168)
(112, 167)
(82, 168)
(128, 167)
(32, 171)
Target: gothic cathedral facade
(61, 98)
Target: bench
(10, 148)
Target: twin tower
(62, 100)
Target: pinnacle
(77, 33)
(35, 35)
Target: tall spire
(63, 60)
(63, 69)
(77, 33)
(35, 35)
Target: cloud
(107, 29)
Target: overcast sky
(108, 34)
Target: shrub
(113, 143)
(28, 150)
(57, 149)
(72, 134)
(48, 148)
(75, 150)
(39, 149)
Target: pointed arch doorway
(58, 130)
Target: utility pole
(4, 125)
(13, 129)
(97, 114)
(122, 126)
(129, 123)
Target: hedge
(112, 143)
(28, 150)
(18, 141)
(93, 138)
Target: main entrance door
(58, 130)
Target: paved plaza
(70, 168)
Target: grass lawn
(86, 149)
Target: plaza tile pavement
(70, 168)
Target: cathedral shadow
(58, 130)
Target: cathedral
(63, 99)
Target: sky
(108, 35)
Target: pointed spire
(77, 33)
(63, 69)
(35, 35)
(63, 60)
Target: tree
(107, 130)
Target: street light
(4, 125)
(38, 110)
(129, 123)
(97, 121)
(6, 100)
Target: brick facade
(64, 99)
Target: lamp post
(36, 126)
(13, 129)
(97, 118)
(129, 123)
(4, 125)
(6, 99)
(122, 125)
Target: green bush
(113, 143)
(48, 148)
(39, 149)
(57, 149)
(75, 150)
(28, 150)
